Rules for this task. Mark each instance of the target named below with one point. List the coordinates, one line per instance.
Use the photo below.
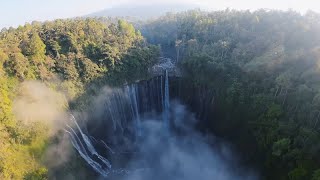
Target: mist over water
(138, 133)
(183, 153)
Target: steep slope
(44, 65)
(253, 78)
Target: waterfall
(121, 119)
(135, 133)
(161, 92)
(166, 104)
(77, 144)
(90, 147)
(104, 167)
(96, 166)
(132, 92)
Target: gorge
(193, 95)
(139, 132)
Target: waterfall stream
(166, 101)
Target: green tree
(35, 49)
(316, 175)
(20, 67)
(297, 174)
(39, 174)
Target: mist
(184, 154)
(36, 102)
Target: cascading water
(166, 101)
(136, 133)
(132, 92)
(122, 118)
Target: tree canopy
(262, 70)
(68, 56)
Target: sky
(17, 12)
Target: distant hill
(142, 11)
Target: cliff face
(145, 130)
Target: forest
(263, 69)
(252, 78)
(69, 57)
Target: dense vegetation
(255, 81)
(70, 57)
(259, 74)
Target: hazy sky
(16, 12)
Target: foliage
(262, 70)
(316, 175)
(68, 56)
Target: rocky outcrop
(165, 64)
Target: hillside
(43, 66)
(142, 12)
(250, 85)
(255, 81)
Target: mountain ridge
(142, 12)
